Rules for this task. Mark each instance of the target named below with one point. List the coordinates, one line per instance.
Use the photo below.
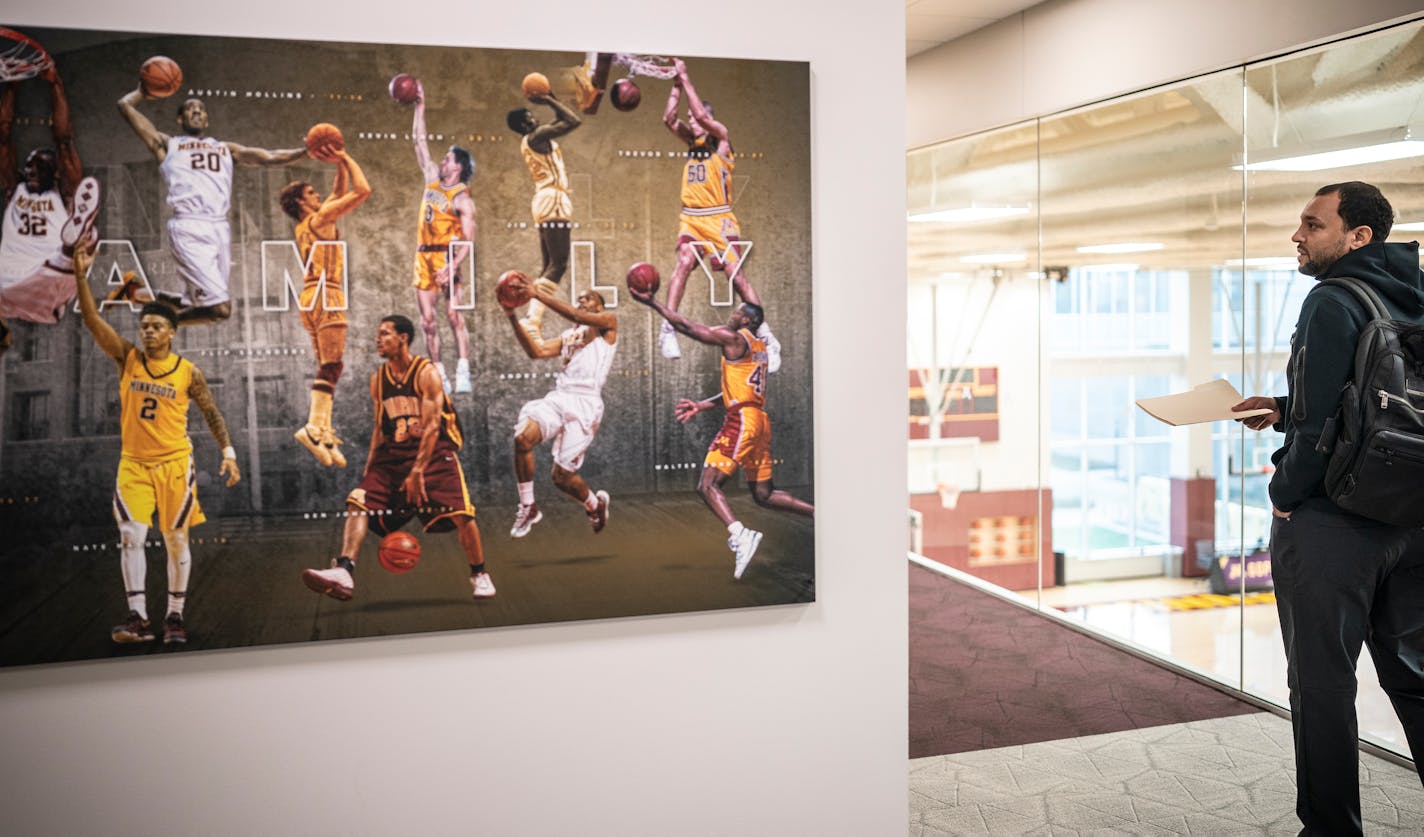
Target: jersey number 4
(758, 379)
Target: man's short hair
(159, 309)
(466, 161)
(290, 198)
(517, 119)
(754, 314)
(1362, 205)
(402, 325)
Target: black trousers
(1341, 582)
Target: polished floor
(1222, 776)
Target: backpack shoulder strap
(1374, 307)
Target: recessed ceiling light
(995, 258)
(1264, 261)
(1123, 247)
(1410, 226)
(966, 214)
(1115, 267)
(1356, 150)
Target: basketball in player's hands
(160, 76)
(535, 84)
(399, 552)
(324, 141)
(625, 95)
(404, 89)
(643, 278)
(512, 290)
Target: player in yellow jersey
(707, 216)
(445, 238)
(324, 317)
(156, 470)
(745, 438)
(552, 206)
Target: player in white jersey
(570, 414)
(36, 266)
(197, 170)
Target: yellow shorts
(745, 441)
(716, 230)
(427, 264)
(168, 487)
(327, 327)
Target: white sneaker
(773, 348)
(462, 377)
(444, 379)
(481, 587)
(335, 582)
(667, 341)
(744, 546)
(598, 518)
(524, 519)
(86, 208)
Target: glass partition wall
(1063, 268)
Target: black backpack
(1376, 440)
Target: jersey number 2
(149, 410)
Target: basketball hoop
(653, 66)
(21, 56)
(948, 495)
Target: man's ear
(1360, 236)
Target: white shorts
(37, 293)
(202, 251)
(569, 421)
(551, 205)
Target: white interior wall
(1064, 53)
(788, 720)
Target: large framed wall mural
(371, 339)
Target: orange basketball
(535, 84)
(399, 552)
(323, 139)
(160, 76)
(512, 290)
(643, 278)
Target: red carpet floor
(985, 673)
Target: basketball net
(655, 66)
(948, 495)
(21, 57)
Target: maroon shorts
(380, 494)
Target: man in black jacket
(1341, 580)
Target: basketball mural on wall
(277, 314)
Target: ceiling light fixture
(995, 258)
(967, 214)
(1265, 261)
(1123, 247)
(1410, 226)
(1355, 150)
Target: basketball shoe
(135, 628)
(335, 582)
(81, 220)
(311, 438)
(332, 444)
(481, 587)
(462, 376)
(773, 347)
(524, 519)
(173, 631)
(744, 546)
(599, 516)
(667, 341)
(589, 96)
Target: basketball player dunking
(324, 316)
(156, 469)
(36, 265)
(552, 206)
(445, 239)
(570, 414)
(745, 438)
(413, 468)
(706, 209)
(197, 170)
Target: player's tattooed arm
(109, 340)
(431, 396)
(418, 136)
(247, 156)
(202, 396)
(156, 140)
